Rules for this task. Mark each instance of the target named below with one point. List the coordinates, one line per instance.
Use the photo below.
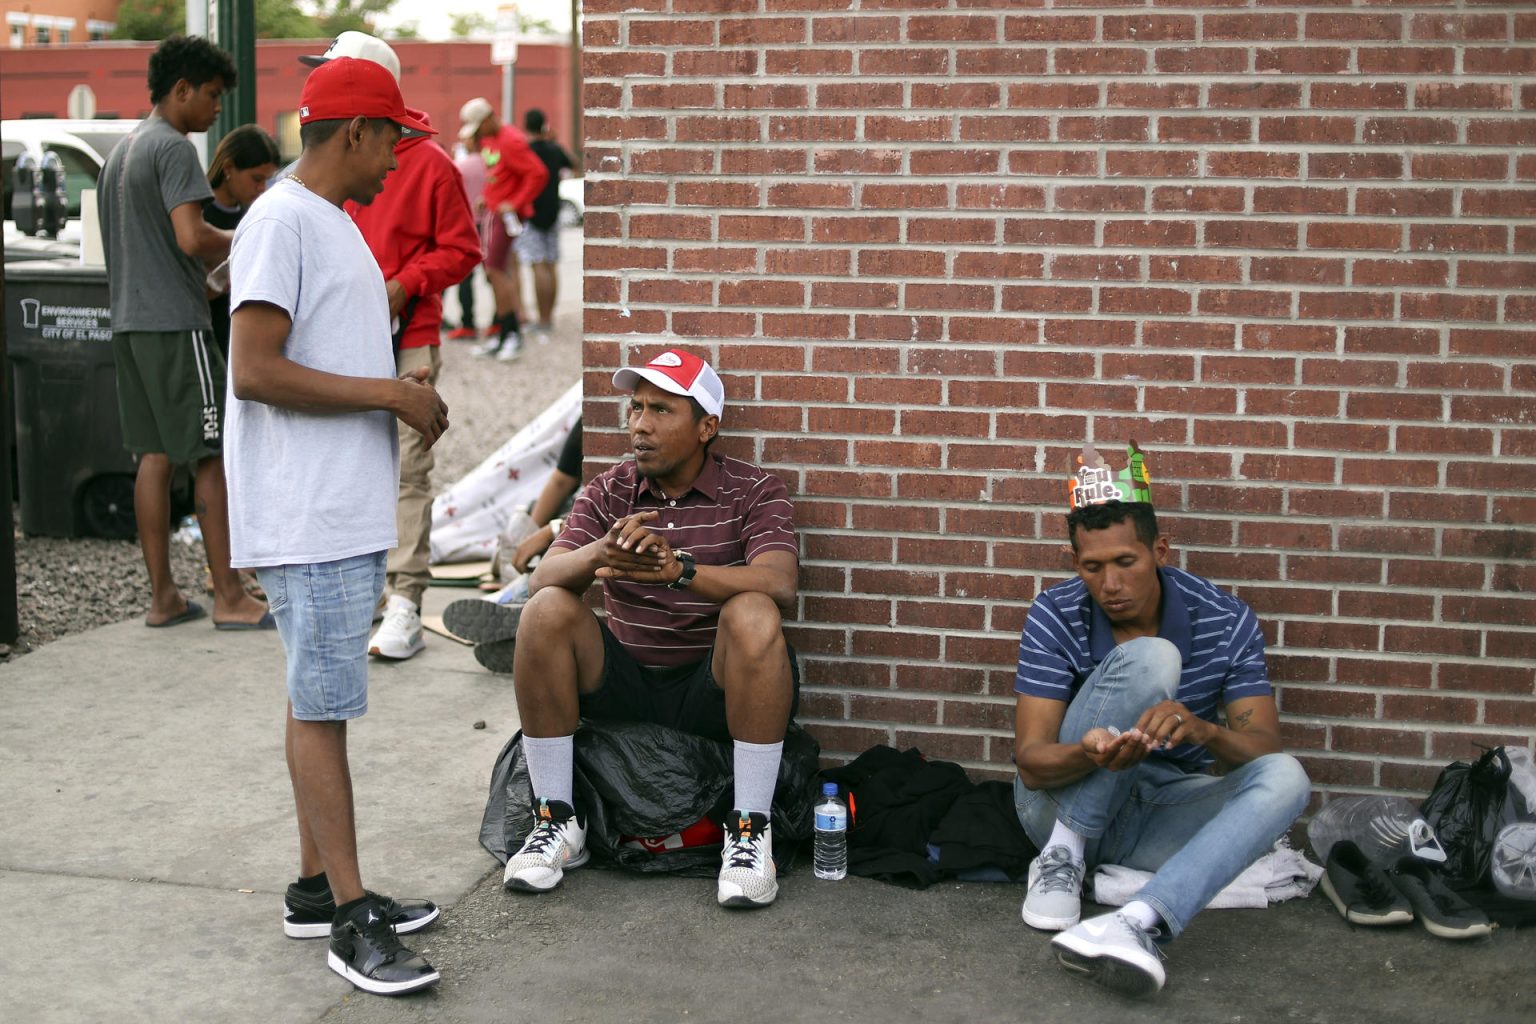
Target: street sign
(81, 104)
(504, 42)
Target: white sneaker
(1114, 951)
(491, 347)
(748, 877)
(558, 841)
(399, 635)
(511, 348)
(1055, 898)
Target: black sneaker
(496, 656)
(1442, 912)
(366, 951)
(481, 621)
(1360, 889)
(308, 915)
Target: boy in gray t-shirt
(170, 376)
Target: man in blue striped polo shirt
(1121, 675)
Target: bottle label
(831, 822)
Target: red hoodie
(422, 232)
(514, 174)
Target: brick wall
(933, 245)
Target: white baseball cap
(681, 373)
(473, 114)
(362, 46)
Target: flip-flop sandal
(265, 622)
(194, 611)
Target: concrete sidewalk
(145, 789)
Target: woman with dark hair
(243, 163)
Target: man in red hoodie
(514, 179)
(421, 231)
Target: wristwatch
(686, 576)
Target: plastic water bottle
(1382, 826)
(831, 858)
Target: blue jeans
(1195, 832)
(324, 611)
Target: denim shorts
(324, 611)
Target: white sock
(550, 761)
(1142, 914)
(757, 773)
(1061, 835)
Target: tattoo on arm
(1241, 721)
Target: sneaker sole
(322, 930)
(1117, 975)
(482, 622)
(1390, 917)
(1050, 924)
(1470, 931)
(396, 655)
(515, 884)
(741, 901)
(496, 656)
(380, 988)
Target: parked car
(82, 147)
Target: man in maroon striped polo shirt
(698, 562)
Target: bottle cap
(829, 789)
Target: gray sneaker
(1114, 951)
(1055, 898)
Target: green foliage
(284, 19)
(470, 23)
(150, 19)
(337, 16)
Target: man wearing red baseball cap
(313, 469)
(697, 558)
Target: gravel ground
(69, 586)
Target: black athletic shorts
(684, 697)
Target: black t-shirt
(570, 455)
(546, 208)
(218, 306)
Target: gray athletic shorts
(539, 245)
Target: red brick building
(436, 76)
(934, 245)
(57, 22)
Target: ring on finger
(1178, 718)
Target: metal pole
(507, 115)
(236, 32)
(10, 625)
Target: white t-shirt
(311, 487)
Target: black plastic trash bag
(1467, 807)
(638, 779)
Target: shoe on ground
(511, 348)
(1055, 899)
(1440, 910)
(481, 621)
(557, 843)
(399, 635)
(1113, 951)
(308, 915)
(490, 348)
(463, 334)
(1360, 890)
(496, 656)
(748, 877)
(366, 951)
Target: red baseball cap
(347, 87)
(681, 373)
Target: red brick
(1403, 202)
(671, 32)
(798, 261)
(1000, 62)
(1102, 129)
(1460, 166)
(1204, 199)
(714, 63)
(1332, 636)
(1353, 235)
(1303, 60)
(1249, 233)
(1175, 268)
(1309, 129)
(1052, 299)
(906, 62)
(1143, 95)
(1358, 96)
(670, 97)
(1289, 337)
(1097, 60)
(1297, 270)
(1354, 165)
(1406, 60)
(1200, 60)
(1004, 128)
(878, 327)
(859, 95)
(761, 31)
(757, 161)
(1417, 305)
(1309, 701)
(956, 96)
(1421, 273)
(1244, 302)
(1204, 129)
(808, 62)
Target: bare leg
(309, 854)
(322, 787)
(230, 601)
(559, 655)
(504, 286)
(544, 290)
(752, 667)
(152, 512)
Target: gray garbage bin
(74, 476)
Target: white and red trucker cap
(681, 373)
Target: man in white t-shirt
(312, 465)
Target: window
(80, 172)
(18, 35)
(64, 35)
(42, 35)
